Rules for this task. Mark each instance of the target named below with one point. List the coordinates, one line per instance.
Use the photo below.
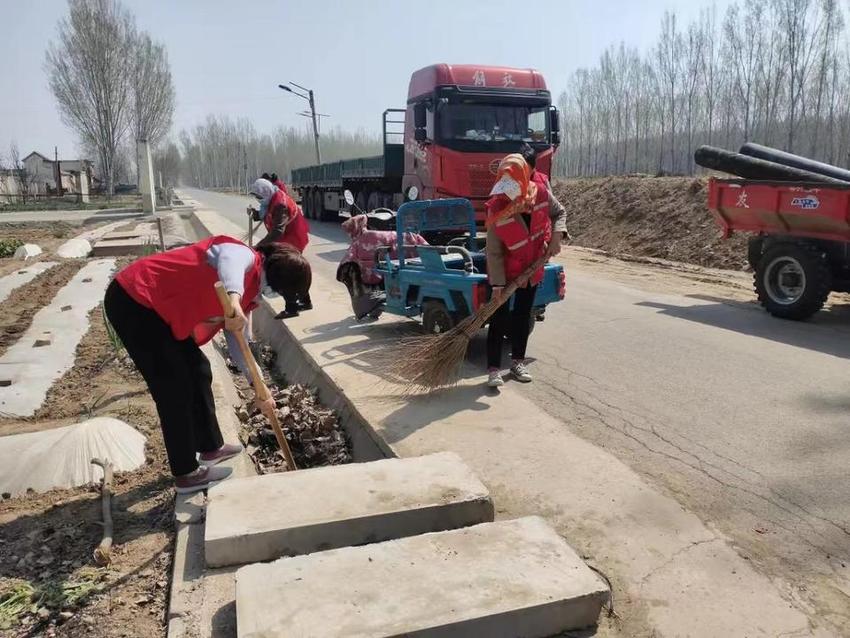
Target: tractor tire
(755, 247)
(793, 280)
(436, 318)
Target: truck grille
(480, 181)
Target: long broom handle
(260, 387)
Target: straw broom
(433, 361)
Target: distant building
(43, 174)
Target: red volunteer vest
(297, 230)
(525, 245)
(179, 286)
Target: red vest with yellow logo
(524, 245)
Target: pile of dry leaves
(313, 431)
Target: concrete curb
(188, 591)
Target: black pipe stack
(795, 161)
(761, 168)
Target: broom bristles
(433, 361)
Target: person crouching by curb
(285, 223)
(164, 306)
(519, 232)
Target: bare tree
(152, 90)
(668, 55)
(88, 73)
(24, 180)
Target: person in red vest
(524, 222)
(284, 223)
(164, 306)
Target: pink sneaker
(226, 451)
(201, 479)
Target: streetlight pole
(309, 97)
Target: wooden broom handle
(260, 387)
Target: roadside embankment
(644, 216)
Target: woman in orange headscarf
(524, 222)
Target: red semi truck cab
(462, 119)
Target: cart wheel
(436, 318)
(793, 280)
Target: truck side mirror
(555, 125)
(420, 122)
(419, 117)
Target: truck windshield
(488, 123)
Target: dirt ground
(49, 580)
(48, 235)
(661, 217)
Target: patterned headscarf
(263, 189)
(513, 192)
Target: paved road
(741, 417)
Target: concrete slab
(266, 517)
(133, 246)
(28, 251)
(76, 248)
(499, 580)
(21, 277)
(26, 373)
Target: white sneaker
(520, 372)
(494, 379)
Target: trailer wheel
(318, 205)
(307, 204)
(793, 280)
(436, 318)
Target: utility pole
(245, 166)
(315, 127)
(310, 98)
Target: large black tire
(307, 204)
(793, 280)
(436, 318)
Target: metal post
(315, 128)
(161, 236)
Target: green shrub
(9, 246)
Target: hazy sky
(357, 55)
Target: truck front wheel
(436, 318)
(793, 280)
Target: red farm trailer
(799, 250)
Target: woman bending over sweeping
(357, 267)
(524, 222)
(164, 307)
(285, 223)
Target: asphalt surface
(743, 418)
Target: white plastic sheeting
(61, 458)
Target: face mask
(263, 208)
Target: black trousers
(178, 376)
(514, 322)
(292, 301)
